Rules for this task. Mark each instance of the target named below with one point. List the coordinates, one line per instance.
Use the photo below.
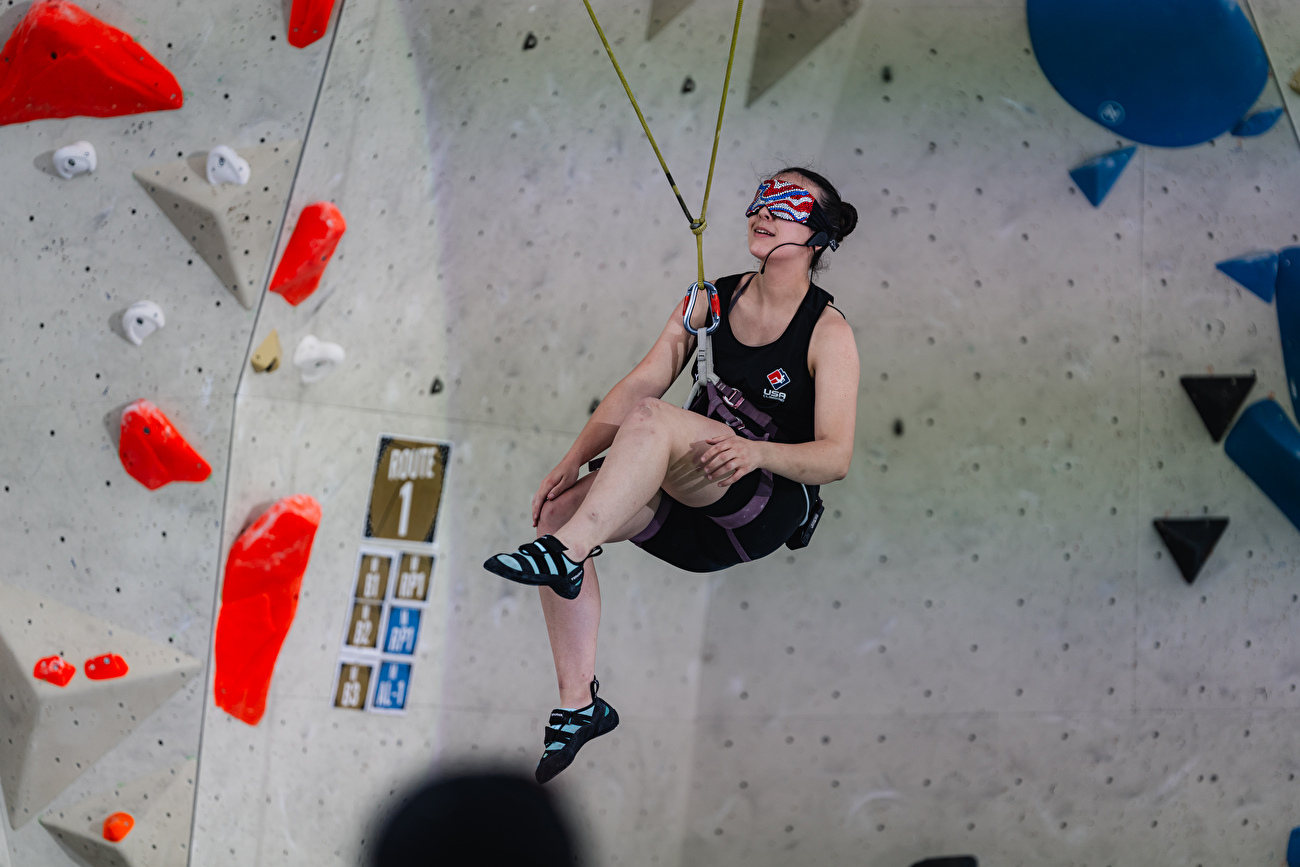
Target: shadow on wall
(459, 818)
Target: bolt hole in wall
(1072, 493)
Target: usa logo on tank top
(779, 379)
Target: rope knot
(698, 226)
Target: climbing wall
(83, 533)
(987, 649)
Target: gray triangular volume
(162, 806)
(663, 11)
(232, 227)
(53, 734)
(789, 30)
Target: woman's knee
(551, 518)
(646, 410)
(556, 513)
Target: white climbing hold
(75, 159)
(227, 167)
(316, 358)
(142, 319)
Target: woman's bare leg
(572, 624)
(657, 446)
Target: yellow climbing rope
(697, 225)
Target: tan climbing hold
(1295, 81)
(267, 356)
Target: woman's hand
(556, 482)
(729, 453)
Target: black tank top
(775, 377)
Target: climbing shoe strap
(564, 724)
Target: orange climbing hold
(117, 826)
(63, 62)
(55, 670)
(308, 21)
(106, 667)
(154, 452)
(320, 226)
(258, 601)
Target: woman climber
(727, 482)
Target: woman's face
(767, 231)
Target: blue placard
(403, 630)
(393, 686)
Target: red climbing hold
(308, 21)
(320, 226)
(117, 826)
(63, 62)
(106, 667)
(258, 600)
(154, 452)
(55, 670)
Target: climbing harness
(704, 355)
(719, 400)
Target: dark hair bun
(848, 219)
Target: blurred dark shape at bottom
(953, 861)
(486, 818)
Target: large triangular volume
(1217, 399)
(232, 227)
(53, 733)
(663, 11)
(788, 31)
(1266, 446)
(62, 62)
(160, 807)
(1288, 318)
(1096, 177)
(1190, 541)
(1255, 271)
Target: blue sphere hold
(1170, 73)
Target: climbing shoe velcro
(541, 563)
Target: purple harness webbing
(723, 399)
(661, 515)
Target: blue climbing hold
(1257, 124)
(1266, 445)
(1293, 849)
(1256, 271)
(1095, 177)
(1170, 73)
(1288, 317)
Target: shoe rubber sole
(569, 591)
(562, 759)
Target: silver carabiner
(715, 308)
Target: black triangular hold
(688, 85)
(1190, 541)
(1217, 399)
(530, 41)
(950, 861)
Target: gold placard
(413, 578)
(363, 628)
(354, 681)
(372, 577)
(407, 490)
